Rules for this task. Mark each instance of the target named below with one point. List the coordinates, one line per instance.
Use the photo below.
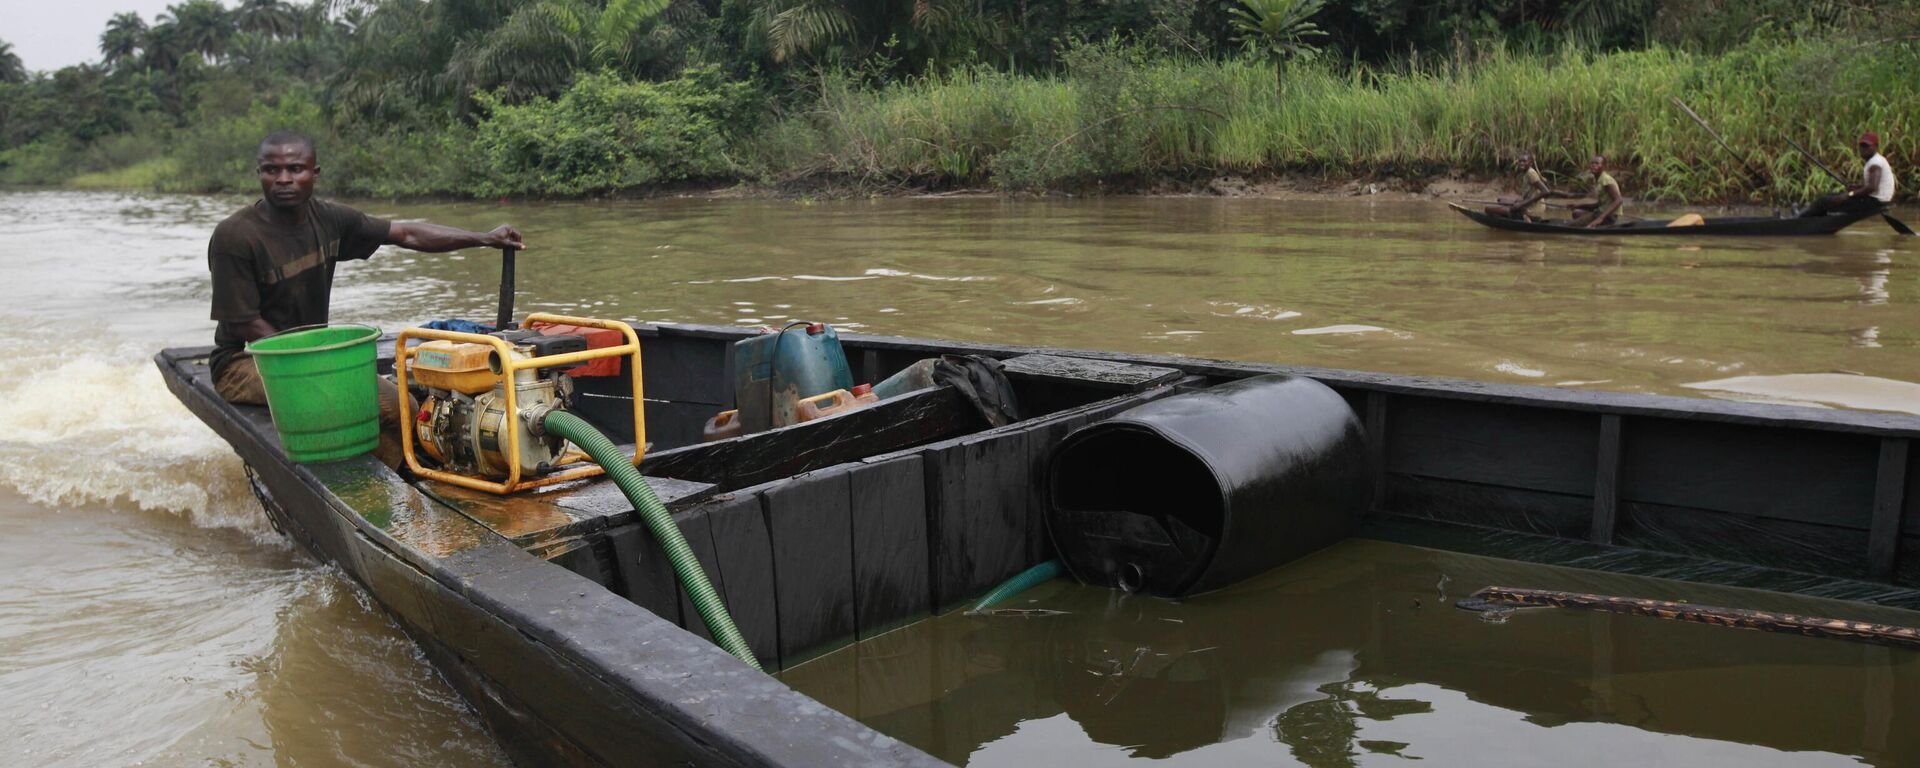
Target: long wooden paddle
(1496, 202)
(1898, 225)
(1757, 175)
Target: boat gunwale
(1681, 407)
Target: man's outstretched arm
(435, 238)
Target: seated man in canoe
(1532, 204)
(273, 261)
(1607, 200)
(1875, 190)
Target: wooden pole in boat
(1496, 202)
(1815, 160)
(1757, 175)
(1738, 618)
(1898, 225)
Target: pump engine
(460, 422)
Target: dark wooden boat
(555, 615)
(1747, 226)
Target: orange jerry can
(836, 402)
(723, 425)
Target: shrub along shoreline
(1111, 118)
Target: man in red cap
(1875, 190)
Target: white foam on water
(1258, 311)
(883, 272)
(1842, 389)
(834, 279)
(1516, 369)
(91, 421)
(1347, 328)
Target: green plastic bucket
(321, 388)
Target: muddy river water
(149, 616)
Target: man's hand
(505, 236)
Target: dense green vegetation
(590, 97)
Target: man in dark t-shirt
(273, 261)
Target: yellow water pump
(488, 396)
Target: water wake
(98, 426)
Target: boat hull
(1745, 226)
(574, 652)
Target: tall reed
(1114, 113)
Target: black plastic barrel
(1198, 491)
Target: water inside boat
(1357, 656)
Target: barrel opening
(1136, 471)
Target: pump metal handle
(504, 320)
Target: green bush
(216, 153)
(606, 133)
(436, 160)
(59, 159)
(50, 160)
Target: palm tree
(269, 18)
(161, 46)
(203, 26)
(539, 47)
(11, 70)
(397, 53)
(923, 29)
(1278, 29)
(122, 39)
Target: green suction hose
(625, 475)
(1025, 580)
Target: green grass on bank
(1110, 113)
(1115, 114)
(149, 174)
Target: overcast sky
(50, 34)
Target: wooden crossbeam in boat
(1737, 618)
(1088, 372)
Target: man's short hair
(288, 139)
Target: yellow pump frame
(403, 360)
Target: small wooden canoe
(1750, 226)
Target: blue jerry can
(773, 372)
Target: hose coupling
(535, 417)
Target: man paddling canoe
(273, 262)
(1533, 202)
(1607, 200)
(1875, 190)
